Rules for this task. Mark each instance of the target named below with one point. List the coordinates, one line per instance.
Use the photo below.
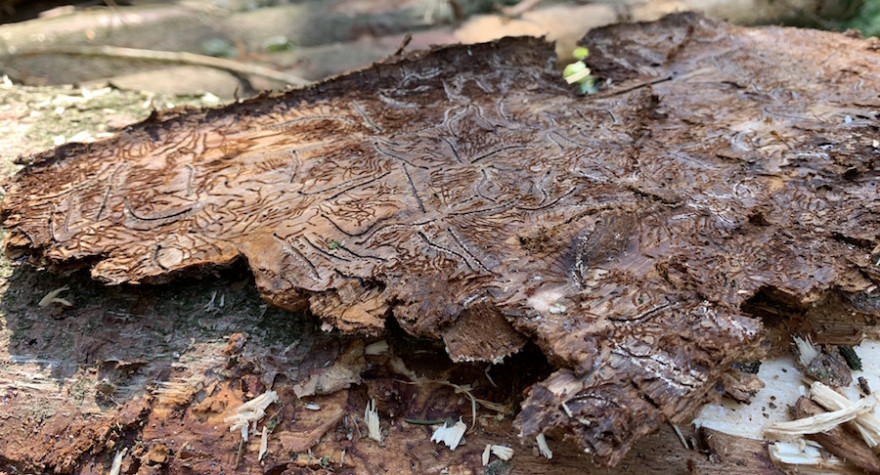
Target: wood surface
(622, 232)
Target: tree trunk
(473, 196)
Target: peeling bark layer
(470, 193)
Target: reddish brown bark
(622, 231)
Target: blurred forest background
(167, 46)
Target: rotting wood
(622, 231)
(732, 454)
(838, 441)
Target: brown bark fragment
(740, 386)
(157, 455)
(479, 332)
(618, 230)
(342, 374)
(830, 369)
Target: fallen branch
(177, 57)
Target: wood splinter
(837, 440)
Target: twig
(638, 85)
(423, 422)
(238, 454)
(517, 10)
(356, 427)
(822, 22)
(461, 389)
(680, 436)
(403, 44)
(178, 57)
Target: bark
(622, 231)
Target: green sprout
(334, 244)
(578, 74)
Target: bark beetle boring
(471, 194)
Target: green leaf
(573, 69)
(580, 52)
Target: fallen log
(471, 194)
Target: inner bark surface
(473, 195)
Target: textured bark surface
(472, 195)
